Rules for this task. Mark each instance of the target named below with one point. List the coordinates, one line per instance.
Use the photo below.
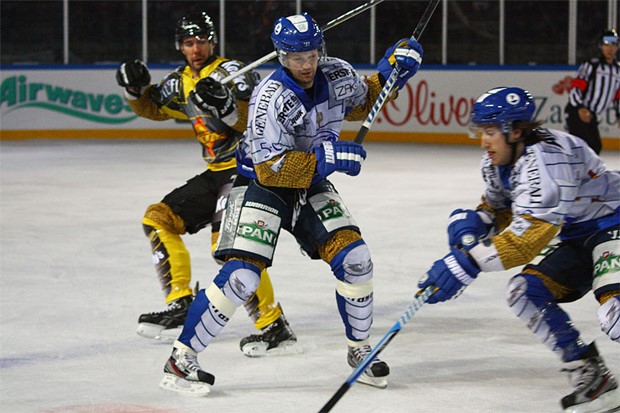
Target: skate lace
(188, 361)
(171, 306)
(361, 352)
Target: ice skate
(596, 389)
(182, 373)
(275, 339)
(376, 374)
(165, 325)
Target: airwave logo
(100, 108)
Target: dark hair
(530, 131)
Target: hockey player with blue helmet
(541, 182)
(218, 115)
(289, 150)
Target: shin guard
(532, 302)
(262, 308)
(212, 308)
(353, 268)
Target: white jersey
(283, 117)
(559, 180)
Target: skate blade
(378, 382)
(157, 332)
(187, 388)
(606, 403)
(260, 349)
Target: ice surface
(76, 273)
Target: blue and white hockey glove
(407, 53)
(449, 275)
(467, 227)
(341, 156)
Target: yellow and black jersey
(170, 100)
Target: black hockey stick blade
(389, 83)
(420, 299)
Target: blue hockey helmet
(194, 24)
(502, 106)
(298, 33)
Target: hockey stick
(329, 25)
(420, 299)
(389, 83)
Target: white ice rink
(76, 272)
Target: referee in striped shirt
(595, 89)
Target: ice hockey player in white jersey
(290, 148)
(538, 182)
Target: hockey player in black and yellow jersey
(218, 115)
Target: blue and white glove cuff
(456, 270)
(402, 53)
(331, 154)
(348, 156)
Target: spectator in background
(595, 89)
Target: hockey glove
(449, 275)
(467, 227)
(407, 55)
(133, 76)
(341, 156)
(213, 98)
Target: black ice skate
(275, 339)
(376, 374)
(182, 373)
(596, 389)
(165, 325)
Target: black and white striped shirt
(596, 86)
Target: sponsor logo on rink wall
(433, 106)
(18, 93)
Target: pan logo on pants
(332, 210)
(258, 232)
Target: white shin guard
(222, 304)
(355, 303)
(609, 317)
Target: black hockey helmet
(194, 24)
(609, 37)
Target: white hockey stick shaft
(389, 83)
(420, 299)
(329, 25)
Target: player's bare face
(493, 142)
(302, 66)
(196, 51)
(609, 51)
